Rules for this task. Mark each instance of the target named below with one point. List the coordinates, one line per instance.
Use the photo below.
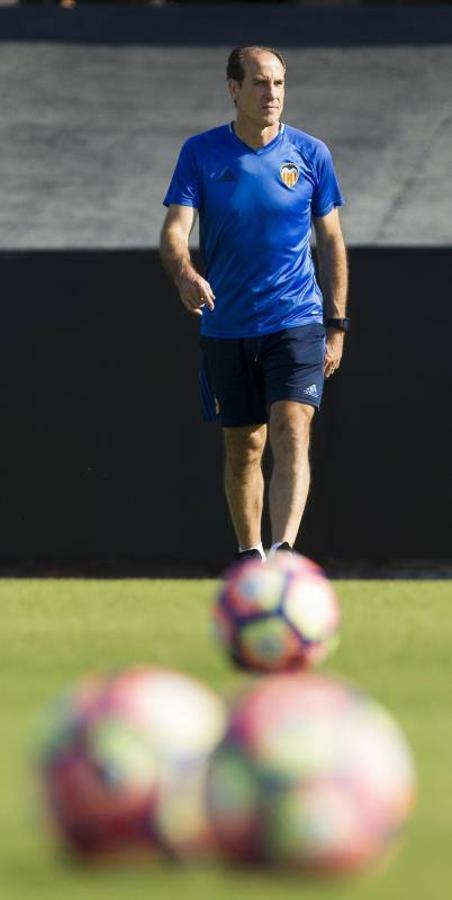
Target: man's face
(260, 96)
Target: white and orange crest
(290, 174)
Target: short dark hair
(235, 66)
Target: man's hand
(195, 292)
(333, 351)
(333, 278)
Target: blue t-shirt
(255, 209)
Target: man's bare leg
(290, 425)
(244, 482)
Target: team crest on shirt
(289, 173)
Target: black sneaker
(286, 547)
(245, 555)
(241, 557)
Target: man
(256, 185)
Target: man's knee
(244, 447)
(290, 425)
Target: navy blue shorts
(240, 378)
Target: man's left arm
(333, 269)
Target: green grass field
(397, 643)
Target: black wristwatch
(338, 324)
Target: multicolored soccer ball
(114, 748)
(279, 615)
(312, 774)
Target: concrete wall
(90, 132)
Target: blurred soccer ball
(114, 749)
(279, 615)
(312, 774)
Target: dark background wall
(212, 25)
(104, 457)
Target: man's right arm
(194, 291)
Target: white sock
(255, 547)
(274, 547)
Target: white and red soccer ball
(118, 747)
(279, 615)
(312, 774)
